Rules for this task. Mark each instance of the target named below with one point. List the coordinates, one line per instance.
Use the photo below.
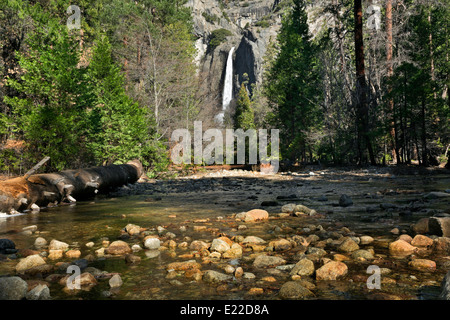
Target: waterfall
(227, 88)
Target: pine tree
(50, 110)
(244, 116)
(291, 84)
(118, 128)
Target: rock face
(253, 26)
(348, 245)
(58, 245)
(12, 288)
(250, 41)
(152, 243)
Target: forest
(370, 87)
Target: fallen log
(22, 193)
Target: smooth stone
(366, 240)
(421, 241)
(348, 245)
(40, 242)
(362, 254)
(115, 281)
(253, 240)
(263, 261)
(331, 271)
(198, 245)
(212, 276)
(29, 262)
(12, 288)
(294, 290)
(256, 215)
(304, 267)
(422, 265)
(152, 243)
(219, 245)
(118, 247)
(401, 247)
(132, 229)
(345, 201)
(58, 245)
(40, 292)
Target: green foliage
(263, 24)
(211, 18)
(51, 112)
(218, 36)
(117, 126)
(244, 116)
(291, 83)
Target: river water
(182, 205)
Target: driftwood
(24, 193)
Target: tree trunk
(390, 73)
(424, 135)
(361, 87)
(41, 189)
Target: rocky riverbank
(299, 238)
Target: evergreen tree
(50, 112)
(243, 117)
(118, 126)
(291, 84)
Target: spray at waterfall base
(235, 140)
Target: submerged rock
(29, 262)
(118, 247)
(345, 201)
(12, 288)
(7, 246)
(348, 245)
(215, 276)
(294, 290)
(263, 261)
(422, 265)
(115, 281)
(58, 245)
(304, 267)
(401, 247)
(421, 241)
(40, 292)
(331, 271)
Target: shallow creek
(211, 200)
